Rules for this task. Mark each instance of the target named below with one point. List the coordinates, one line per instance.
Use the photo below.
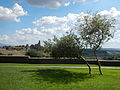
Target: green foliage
(34, 53)
(96, 29)
(67, 46)
(48, 46)
(10, 54)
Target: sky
(28, 21)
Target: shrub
(34, 53)
(10, 54)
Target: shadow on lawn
(58, 75)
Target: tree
(48, 46)
(68, 46)
(95, 30)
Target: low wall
(14, 59)
(26, 59)
(110, 62)
(55, 61)
(73, 61)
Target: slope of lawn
(28, 78)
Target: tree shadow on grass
(58, 75)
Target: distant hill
(111, 49)
(104, 52)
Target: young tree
(95, 30)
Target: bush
(34, 53)
(10, 54)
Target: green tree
(67, 46)
(95, 30)
(48, 46)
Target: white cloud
(4, 37)
(11, 14)
(113, 12)
(25, 31)
(72, 17)
(113, 43)
(67, 4)
(50, 20)
(26, 36)
(53, 24)
(53, 20)
(32, 35)
(55, 30)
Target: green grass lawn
(28, 78)
(21, 64)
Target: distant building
(36, 46)
(27, 46)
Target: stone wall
(14, 59)
(26, 59)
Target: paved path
(62, 67)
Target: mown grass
(21, 64)
(25, 64)
(28, 78)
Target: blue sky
(27, 21)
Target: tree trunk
(98, 62)
(86, 63)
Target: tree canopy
(96, 30)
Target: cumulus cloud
(27, 36)
(55, 24)
(113, 12)
(11, 14)
(50, 20)
(29, 31)
(54, 30)
(53, 20)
